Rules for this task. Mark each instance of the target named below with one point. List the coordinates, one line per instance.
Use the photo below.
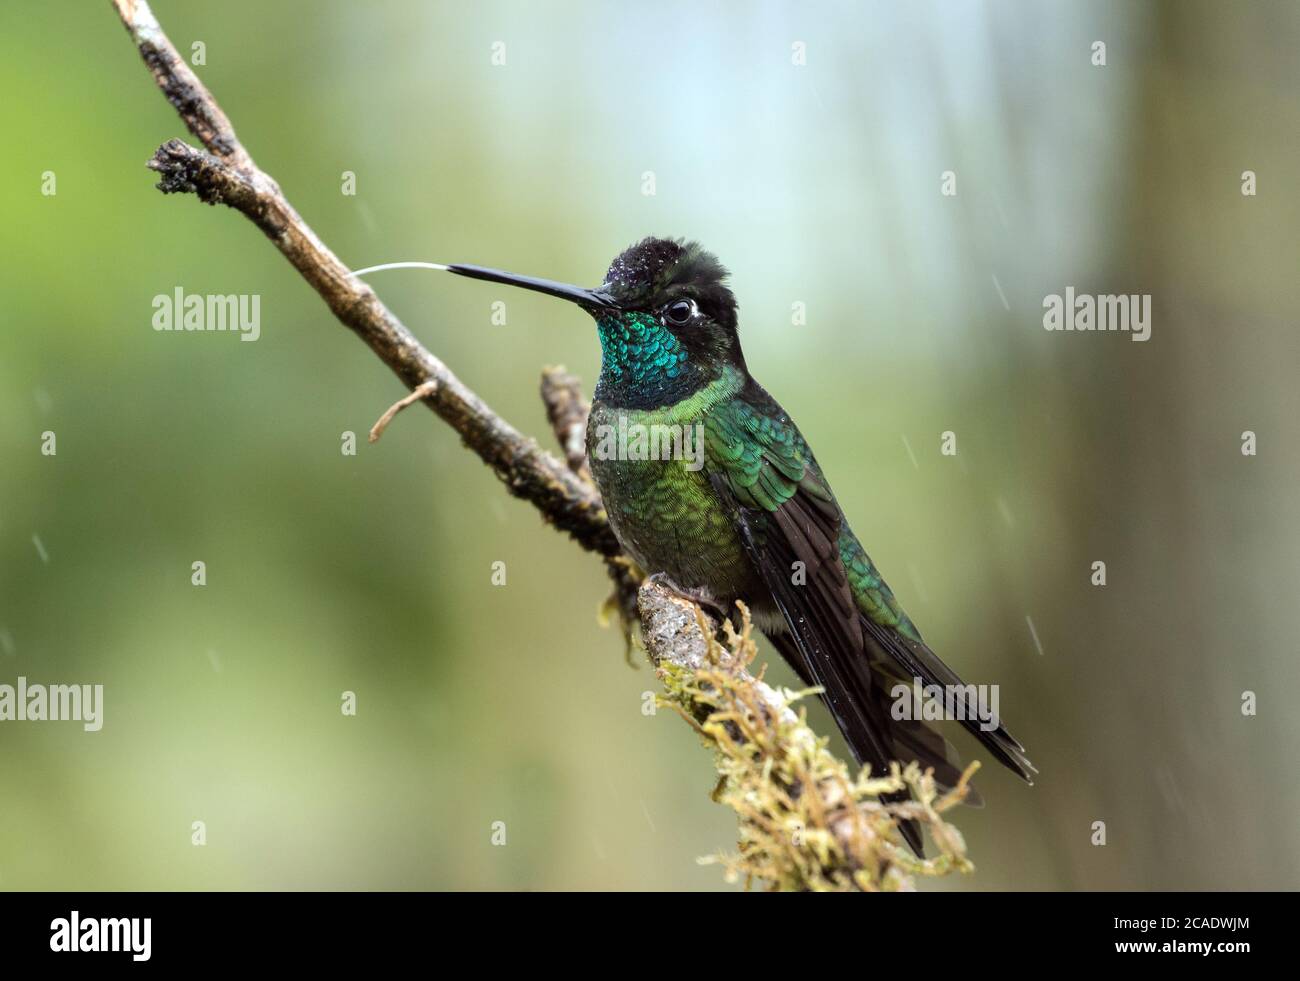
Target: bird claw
(699, 597)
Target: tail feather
(892, 659)
(915, 660)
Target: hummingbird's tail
(911, 661)
(872, 683)
(910, 741)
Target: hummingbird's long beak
(595, 299)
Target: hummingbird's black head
(665, 317)
(664, 276)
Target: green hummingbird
(750, 515)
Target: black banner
(140, 931)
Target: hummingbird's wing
(846, 634)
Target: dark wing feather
(916, 660)
(786, 516)
(847, 634)
(911, 739)
(825, 644)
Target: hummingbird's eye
(681, 312)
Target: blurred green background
(816, 183)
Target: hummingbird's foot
(699, 597)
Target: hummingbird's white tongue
(400, 265)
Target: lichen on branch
(806, 823)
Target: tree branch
(567, 411)
(226, 174)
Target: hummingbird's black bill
(588, 299)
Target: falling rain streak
(1034, 634)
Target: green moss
(805, 821)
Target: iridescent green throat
(642, 364)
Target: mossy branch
(806, 821)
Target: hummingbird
(753, 518)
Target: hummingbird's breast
(650, 466)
